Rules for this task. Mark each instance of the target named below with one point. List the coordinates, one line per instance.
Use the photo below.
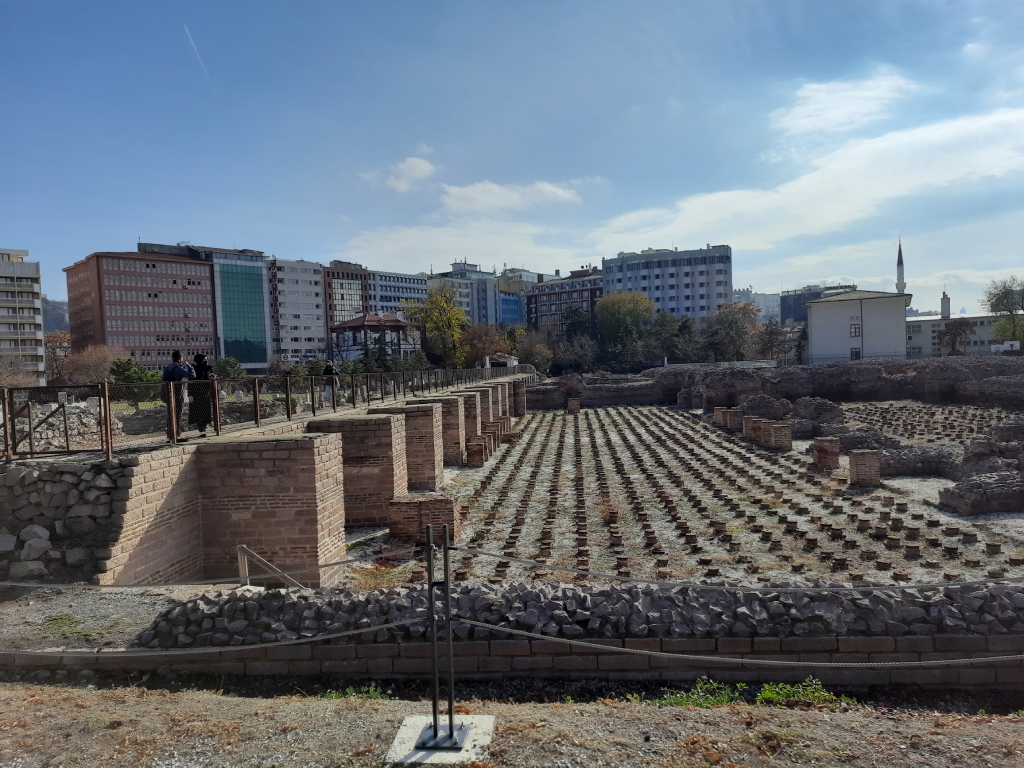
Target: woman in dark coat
(200, 407)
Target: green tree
(535, 350)
(731, 330)
(575, 354)
(770, 340)
(577, 322)
(954, 334)
(1005, 297)
(442, 323)
(229, 368)
(663, 340)
(618, 311)
(125, 370)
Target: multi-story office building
(391, 292)
(476, 292)
(685, 283)
(792, 304)
(21, 314)
(548, 300)
(149, 303)
(923, 332)
(346, 286)
(298, 312)
(241, 292)
(519, 281)
(767, 304)
(510, 308)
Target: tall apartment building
(476, 292)
(346, 286)
(148, 303)
(685, 283)
(510, 309)
(546, 301)
(391, 292)
(767, 304)
(241, 287)
(298, 309)
(21, 314)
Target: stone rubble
(250, 615)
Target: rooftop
(861, 296)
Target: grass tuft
(705, 694)
(810, 693)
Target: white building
(857, 324)
(297, 310)
(767, 304)
(476, 292)
(391, 292)
(684, 283)
(21, 316)
(923, 332)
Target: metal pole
(5, 406)
(67, 434)
(312, 394)
(448, 621)
(334, 393)
(171, 416)
(256, 398)
(243, 566)
(31, 439)
(353, 390)
(108, 431)
(288, 396)
(215, 394)
(436, 696)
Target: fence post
(172, 418)
(353, 390)
(312, 394)
(215, 394)
(5, 396)
(334, 393)
(108, 431)
(256, 399)
(288, 396)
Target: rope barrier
(205, 582)
(606, 649)
(141, 654)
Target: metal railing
(109, 417)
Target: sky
(809, 136)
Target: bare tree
(92, 364)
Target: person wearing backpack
(175, 374)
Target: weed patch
(808, 694)
(705, 694)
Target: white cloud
(485, 242)
(488, 197)
(849, 184)
(408, 174)
(841, 105)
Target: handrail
(245, 554)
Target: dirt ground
(115, 723)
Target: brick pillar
(424, 444)
(734, 419)
(865, 468)
(782, 436)
(573, 405)
(825, 452)
(283, 498)
(375, 469)
(748, 426)
(519, 397)
(720, 415)
(453, 426)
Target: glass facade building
(242, 311)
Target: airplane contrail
(201, 64)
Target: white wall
(882, 323)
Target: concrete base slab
(415, 728)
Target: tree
(13, 374)
(1005, 297)
(575, 354)
(731, 329)
(619, 310)
(92, 364)
(577, 321)
(953, 336)
(126, 370)
(535, 350)
(481, 341)
(663, 340)
(442, 323)
(770, 340)
(56, 349)
(229, 368)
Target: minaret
(901, 284)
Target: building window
(855, 353)
(855, 330)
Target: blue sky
(406, 135)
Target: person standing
(175, 373)
(200, 402)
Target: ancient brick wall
(453, 426)
(424, 443)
